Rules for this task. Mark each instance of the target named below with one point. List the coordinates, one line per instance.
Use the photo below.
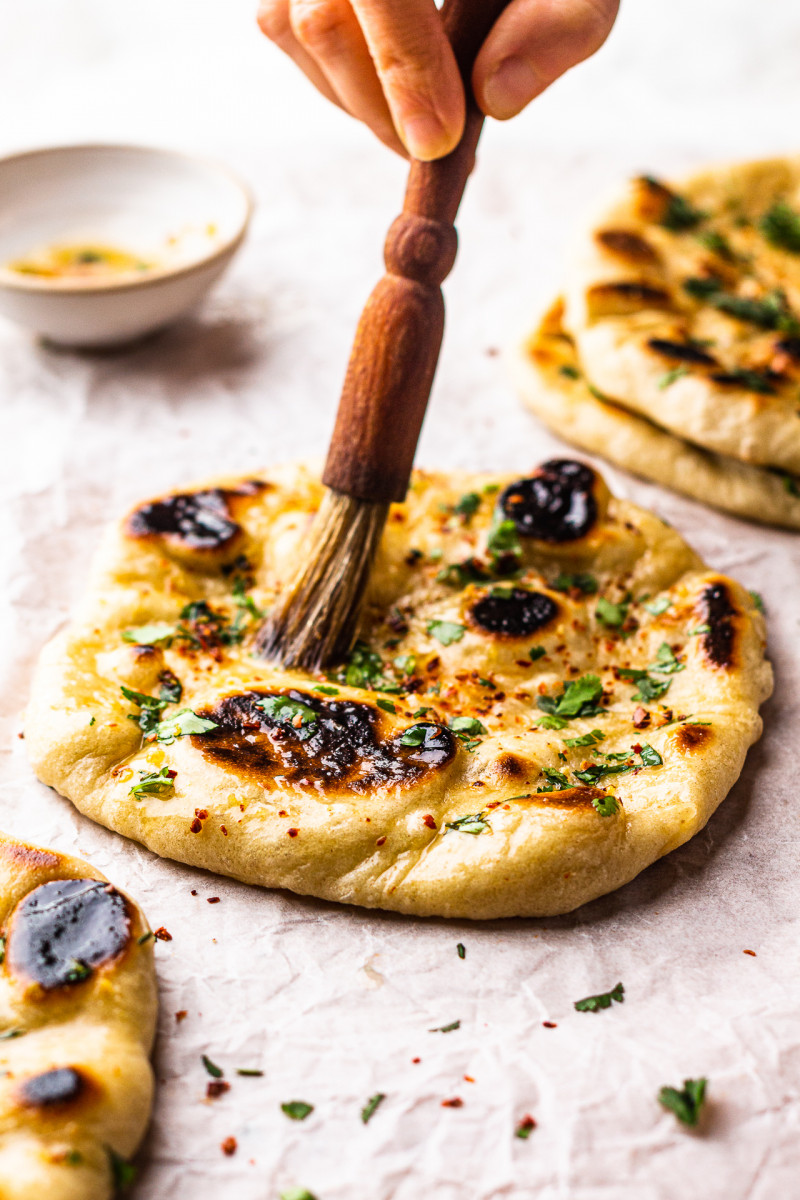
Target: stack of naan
(675, 350)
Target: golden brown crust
(451, 767)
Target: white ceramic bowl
(182, 214)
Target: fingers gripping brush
(385, 392)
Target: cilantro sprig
(154, 783)
(579, 698)
(600, 1001)
(687, 1102)
(474, 823)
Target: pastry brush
(385, 391)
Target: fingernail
(511, 86)
(425, 136)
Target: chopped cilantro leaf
(8, 1035)
(386, 705)
(214, 1071)
(364, 669)
(415, 734)
(145, 937)
(771, 311)
(171, 688)
(687, 1103)
(297, 1110)
(249, 1072)
(536, 652)
(285, 710)
(670, 377)
(780, 225)
(421, 712)
(612, 614)
(123, 1172)
(446, 1028)
(525, 1128)
(679, 213)
(244, 602)
(406, 664)
(551, 721)
(698, 629)
(791, 485)
(583, 581)
(154, 783)
(717, 243)
(148, 718)
(569, 371)
(369, 1108)
(603, 1000)
(461, 950)
(650, 757)
(460, 574)
(465, 727)
(649, 688)
(467, 506)
(472, 823)
(578, 699)
(150, 635)
(586, 739)
(758, 601)
(504, 540)
(182, 724)
(557, 781)
(446, 632)
(666, 663)
(326, 690)
(299, 1193)
(607, 806)
(659, 606)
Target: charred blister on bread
(627, 245)
(719, 613)
(63, 930)
(626, 296)
(684, 352)
(512, 612)
(59, 1088)
(690, 737)
(327, 745)
(197, 528)
(579, 797)
(559, 503)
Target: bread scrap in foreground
(550, 691)
(684, 304)
(550, 379)
(77, 1021)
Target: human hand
(388, 62)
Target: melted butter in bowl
(87, 261)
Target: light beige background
(333, 1004)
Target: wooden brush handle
(399, 335)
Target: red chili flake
(549, 1024)
(283, 813)
(641, 717)
(196, 826)
(429, 821)
(469, 1079)
(217, 1087)
(162, 934)
(521, 662)
(212, 899)
(380, 841)
(20, 735)
(752, 953)
(202, 813)
(416, 1060)
(526, 1125)
(229, 1146)
(181, 1015)
(223, 831)
(637, 749)
(492, 352)
(456, 1102)
(194, 892)
(293, 832)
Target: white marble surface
(333, 1004)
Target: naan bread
(77, 1020)
(451, 767)
(550, 379)
(685, 306)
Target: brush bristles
(314, 622)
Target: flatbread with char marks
(549, 692)
(77, 1021)
(684, 303)
(550, 378)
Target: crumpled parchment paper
(333, 1004)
